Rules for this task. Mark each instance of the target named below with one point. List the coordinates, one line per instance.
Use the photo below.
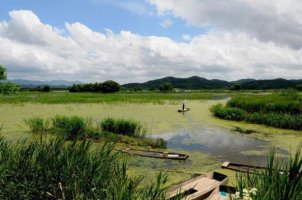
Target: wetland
(208, 141)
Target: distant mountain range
(53, 83)
(196, 82)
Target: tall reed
(123, 127)
(54, 169)
(279, 181)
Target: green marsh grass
(281, 110)
(37, 125)
(120, 97)
(71, 126)
(56, 169)
(119, 130)
(123, 127)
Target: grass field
(62, 97)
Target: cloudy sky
(140, 40)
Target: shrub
(228, 113)
(166, 87)
(8, 88)
(37, 125)
(54, 169)
(123, 127)
(3, 74)
(72, 127)
(110, 86)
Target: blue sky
(140, 40)
(136, 16)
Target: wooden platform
(197, 188)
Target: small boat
(241, 167)
(200, 187)
(185, 110)
(155, 154)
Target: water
(224, 144)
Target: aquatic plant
(277, 110)
(37, 125)
(235, 114)
(56, 169)
(123, 127)
(72, 127)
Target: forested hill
(196, 82)
(193, 82)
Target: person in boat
(183, 107)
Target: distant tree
(236, 87)
(3, 75)
(166, 87)
(110, 86)
(7, 87)
(46, 88)
(299, 87)
(137, 88)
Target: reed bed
(281, 110)
(56, 169)
(109, 130)
(64, 97)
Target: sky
(140, 40)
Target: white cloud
(166, 23)
(34, 50)
(269, 20)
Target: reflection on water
(221, 143)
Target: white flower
(253, 191)
(245, 191)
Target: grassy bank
(56, 169)
(126, 97)
(281, 110)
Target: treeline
(281, 110)
(105, 87)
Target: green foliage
(299, 87)
(110, 86)
(106, 87)
(54, 169)
(113, 130)
(133, 97)
(236, 87)
(228, 113)
(8, 88)
(72, 127)
(37, 125)
(166, 87)
(89, 87)
(123, 127)
(279, 180)
(3, 74)
(281, 110)
(46, 88)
